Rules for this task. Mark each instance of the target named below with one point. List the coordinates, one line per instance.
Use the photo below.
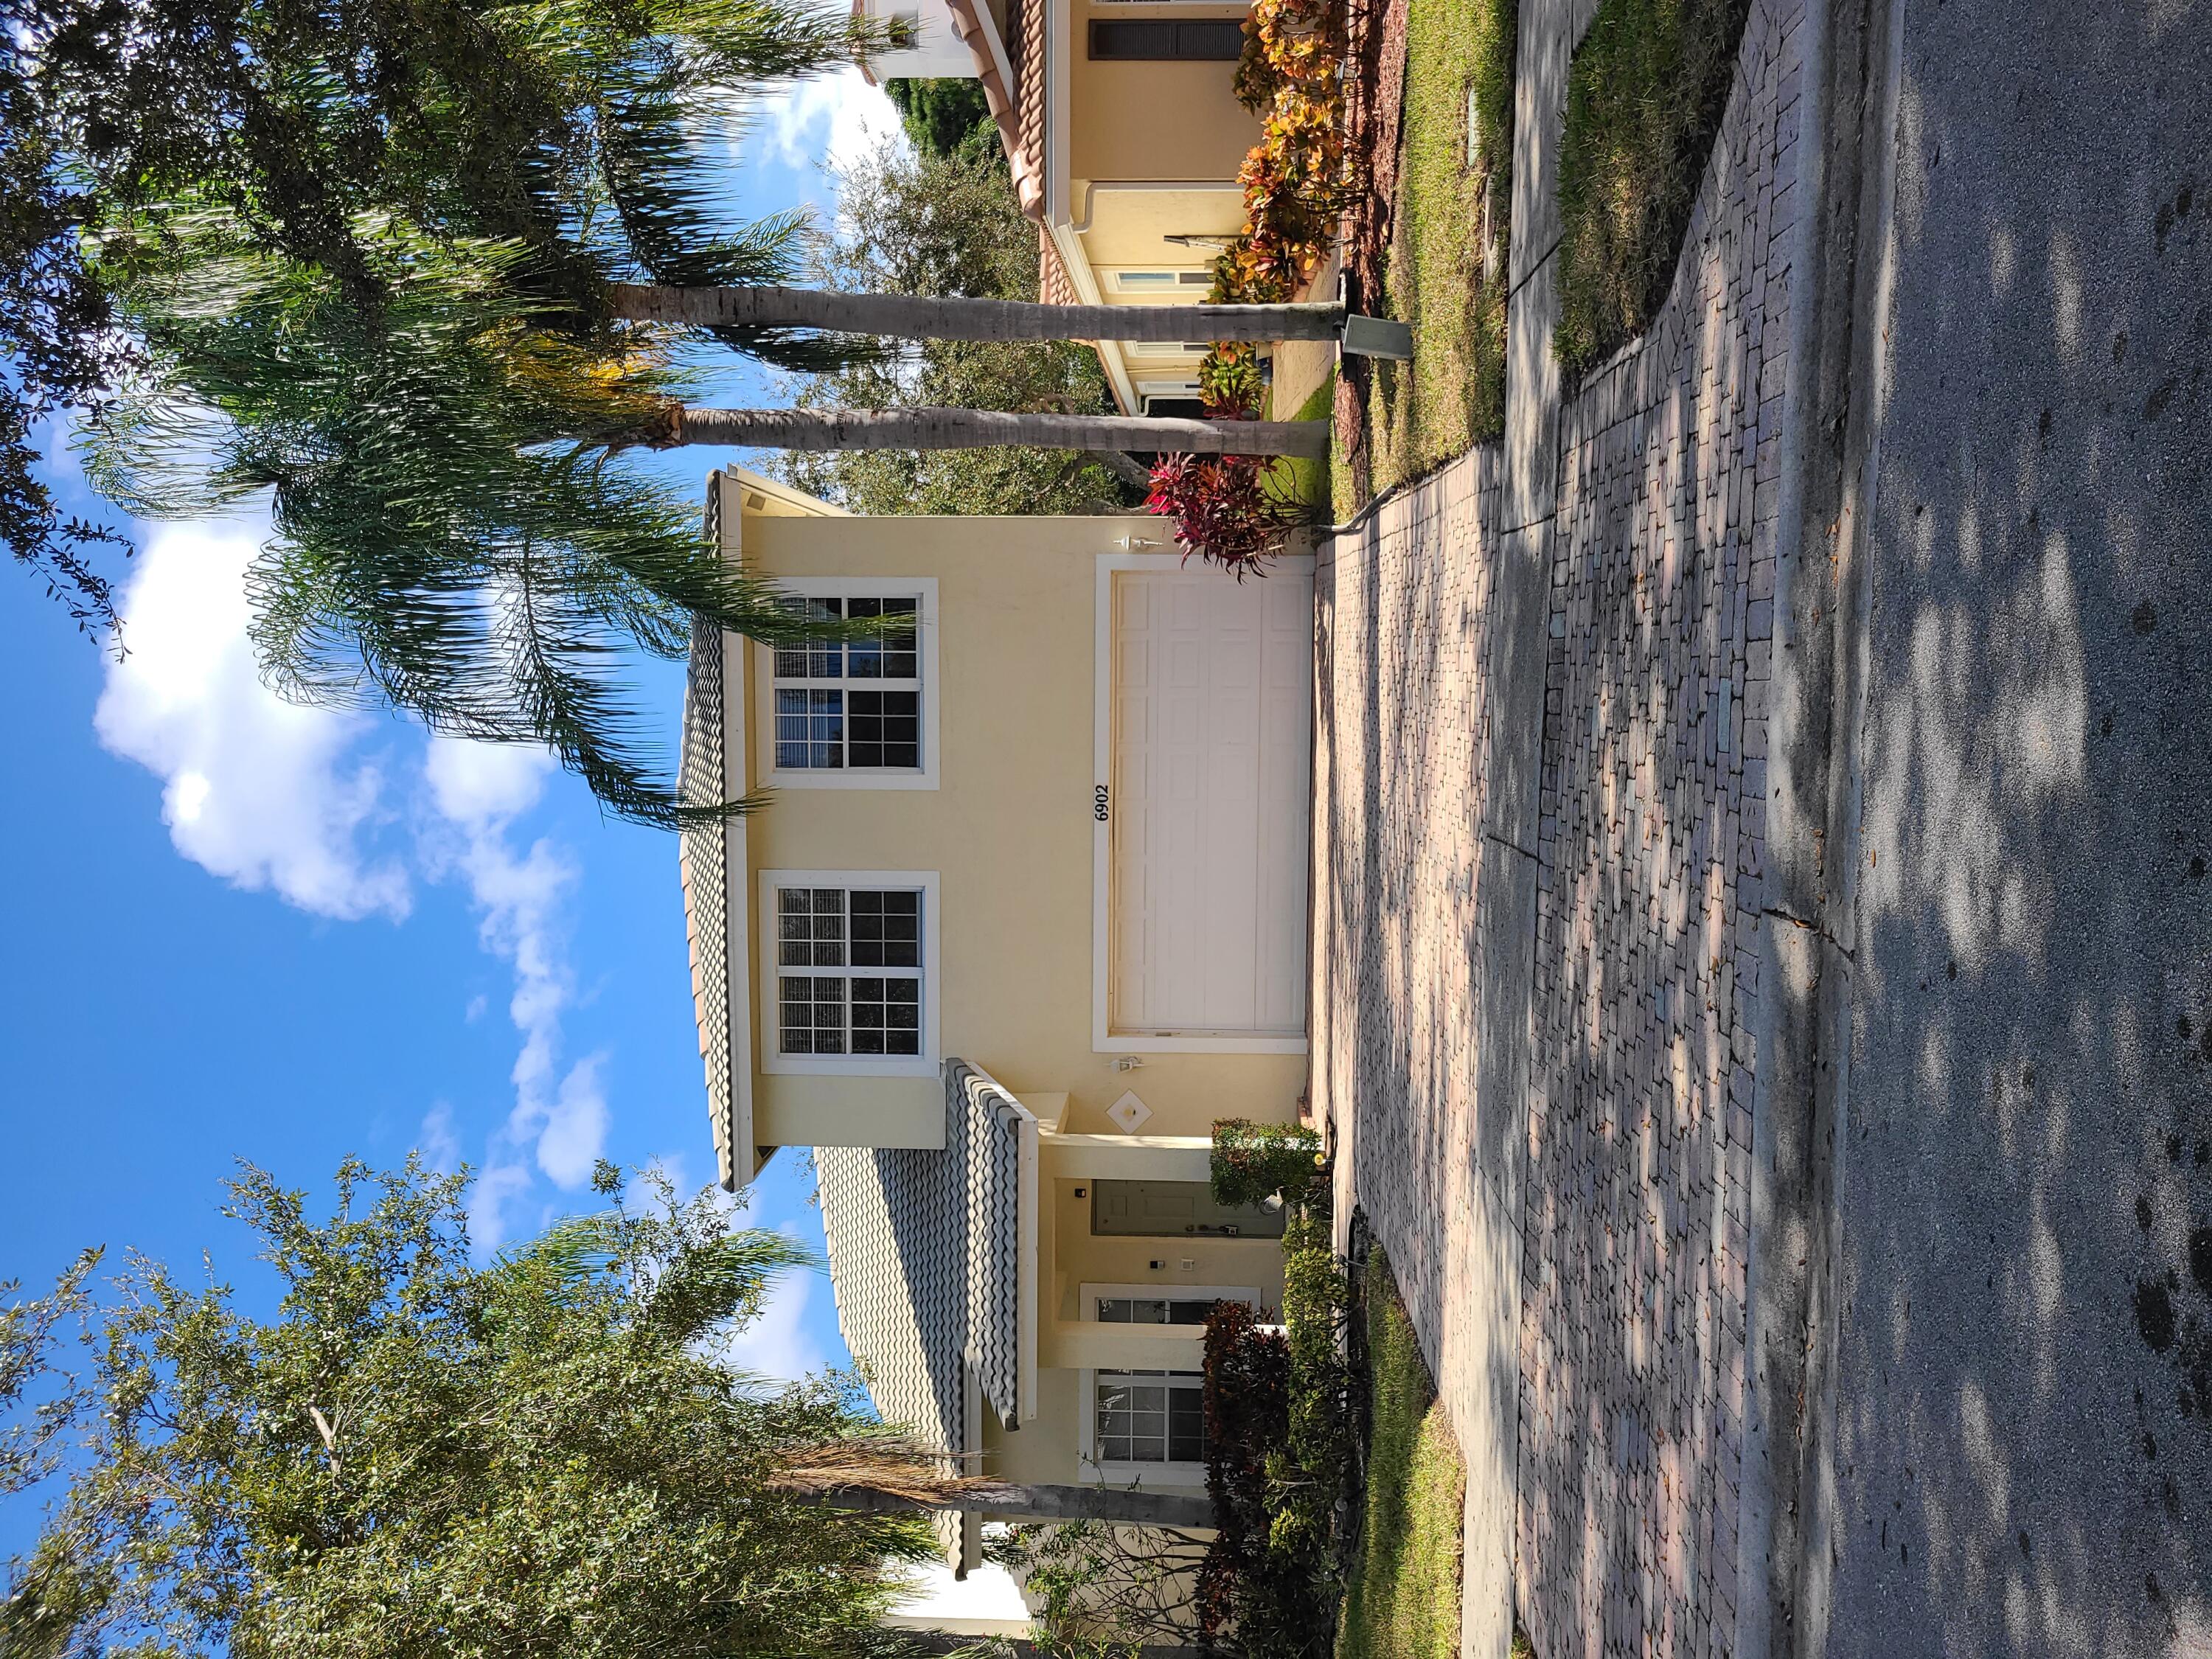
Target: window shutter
(1157, 39)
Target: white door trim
(1102, 1038)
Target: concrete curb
(1802, 1093)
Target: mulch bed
(1374, 105)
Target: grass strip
(1307, 480)
(1454, 195)
(1402, 1601)
(1646, 95)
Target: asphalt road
(2024, 1375)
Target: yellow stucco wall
(1008, 830)
(1153, 120)
(1130, 228)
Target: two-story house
(1025, 914)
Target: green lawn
(1646, 95)
(1452, 395)
(1402, 1599)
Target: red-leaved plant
(1225, 507)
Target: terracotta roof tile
(1054, 287)
(1016, 108)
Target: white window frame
(1089, 1295)
(772, 1060)
(1113, 1471)
(923, 591)
(1181, 279)
(1151, 391)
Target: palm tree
(890, 1476)
(566, 126)
(453, 536)
(458, 534)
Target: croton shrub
(1231, 509)
(1227, 509)
(1266, 1587)
(1291, 76)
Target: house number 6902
(1100, 808)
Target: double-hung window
(850, 961)
(1150, 1417)
(854, 710)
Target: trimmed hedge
(1279, 1431)
(1253, 1162)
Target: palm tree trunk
(1126, 1505)
(985, 428)
(920, 318)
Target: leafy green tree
(938, 114)
(416, 1457)
(943, 222)
(454, 539)
(34, 1412)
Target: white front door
(1212, 770)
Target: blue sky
(237, 928)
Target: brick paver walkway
(1572, 1233)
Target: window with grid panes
(848, 970)
(851, 705)
(1150, 1417)
(1155, 1311)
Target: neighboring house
(1026, 914)
(1125, 140)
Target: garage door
(1212, 751)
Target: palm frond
(674, 229)
(874, 1459)
(725, 1278)
(573, 1248)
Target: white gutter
(1084, 281)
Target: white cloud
(477, 785)
(576, 1132)
(264, 794)
(272, 796)
(437, 1141)
(827, 122)
(478, 790)
(777, 1345)
(497, 1186)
